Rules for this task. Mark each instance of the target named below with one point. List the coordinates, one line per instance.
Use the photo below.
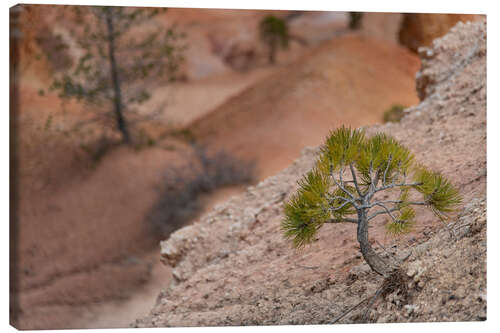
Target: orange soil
(350, 80)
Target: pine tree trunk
(117, 100)
(371, 257)
(272, 52)
(272, 56)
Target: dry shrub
(182, 187)
(394, 113)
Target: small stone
(415, 270)
(482, 298)
(411, 308)
(460, 292)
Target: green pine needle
(403, 197)
(404, 223)
(397, 229)
(308, 209)
(342, 146)
(438, 192)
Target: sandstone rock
(421, 29)
(450, 55)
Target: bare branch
(341, 198)
(380, 212)
(371, 187)
(395, 185)
(343, 189)
(373, 182)
(341, 185)
(354, 179)
(387, 169)
(345, 219)
(341, 172)
(396, 202)
(340, 207)
(346, 200)
(386, 210)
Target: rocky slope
(232, 267)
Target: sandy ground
(114, 314)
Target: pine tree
(122, 56)
(355, 20)
(274, 33)
(348, 182)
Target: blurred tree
(355, 20)
(274, 33)
(121, 55)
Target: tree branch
(421, 203)
(387, 210)
(341, 172)
(371, 188)
(395, 185)
(340, 207)
(341, 186)
(386, 169)
(344, 219)
(378, 213)
(343, 189)
(373, 182)
(355, 180)
(341, 198)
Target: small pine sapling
(353, 181)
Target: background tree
(123, 54)
(355, 175)
(274, 33)
(355, 20)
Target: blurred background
(128, 123)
